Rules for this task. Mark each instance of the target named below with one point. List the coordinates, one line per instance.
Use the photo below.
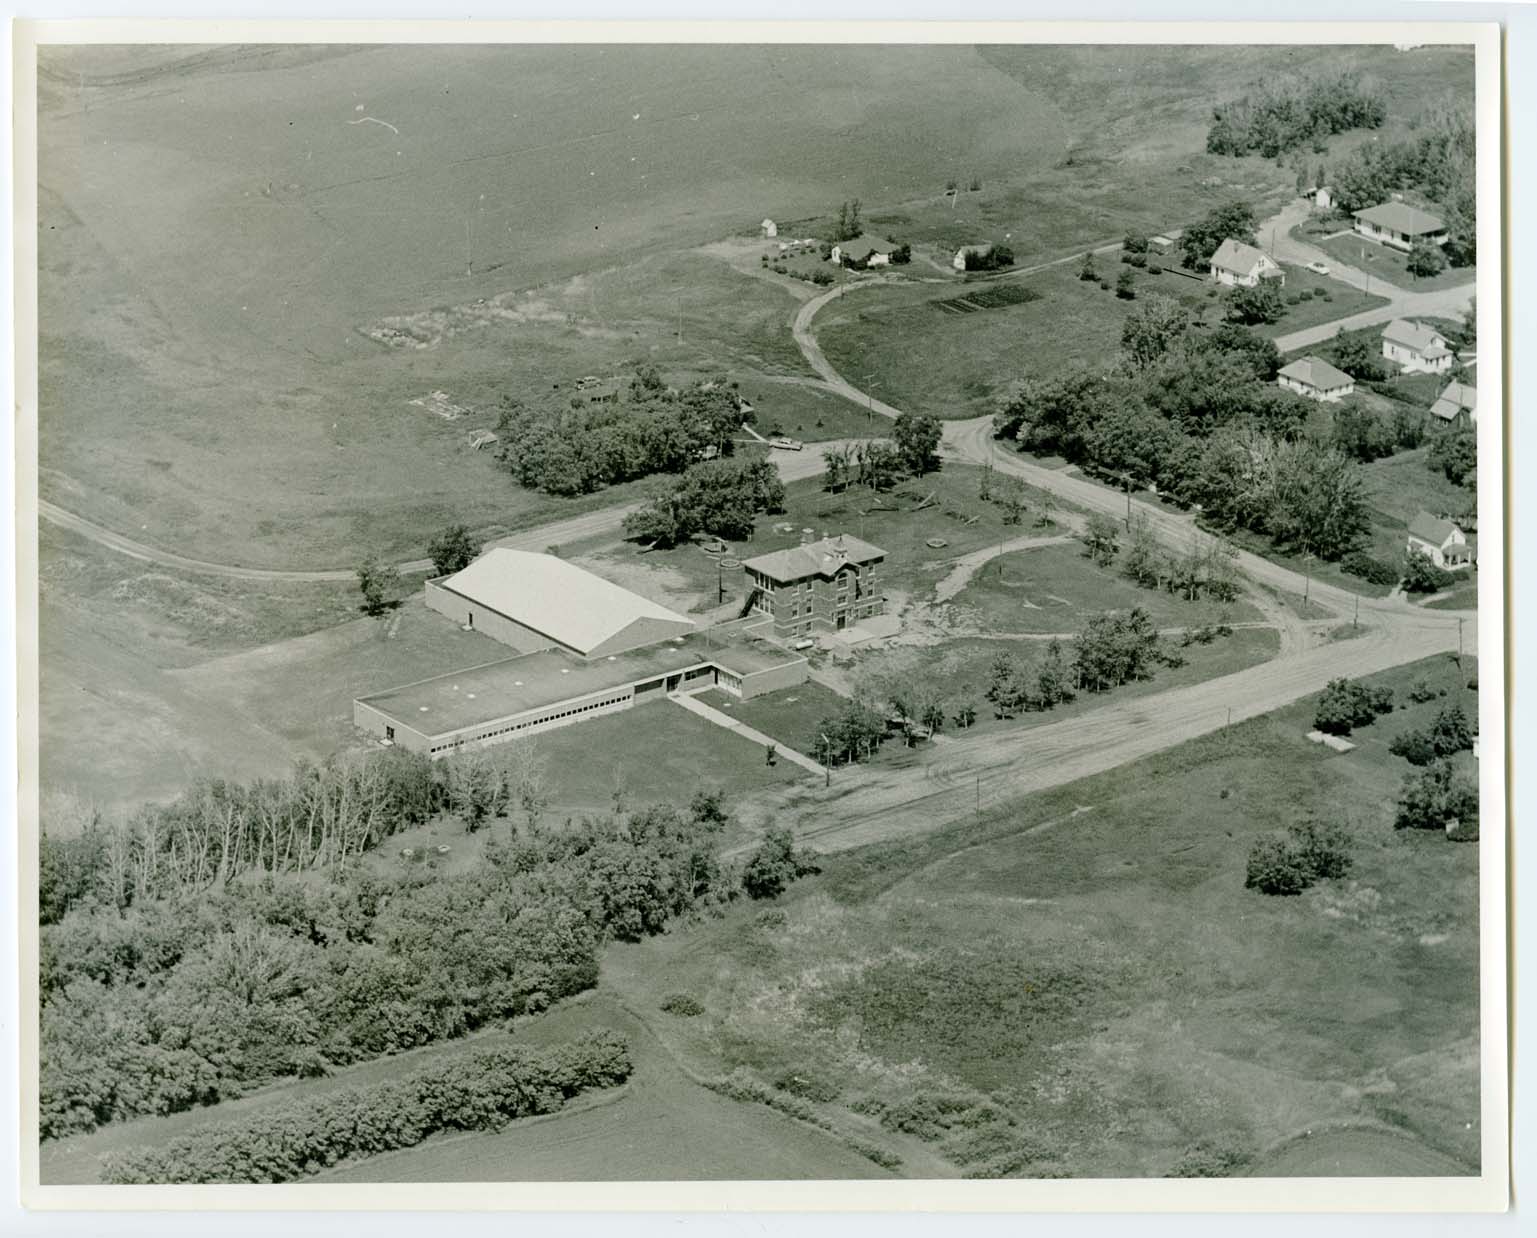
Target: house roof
(1417, 336)
(1427, 528)
(558, 599)
(823, 558)
(1318, 373)
(863, 248)
(1234, 255)
(1454, 399)
(1401, 217)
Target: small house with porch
(1440, 541)
(1415, 347)
(1235, 263)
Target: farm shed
(1456, 401)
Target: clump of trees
(1425, 260)
(1291, 112)
(1260, 304)
(1346, 704)
(1194, 413)
(1355, 354)
(775, 864)
(917, 438)
(1455, 453)
(1230, 221)
(1116, 648)
(379, 583)
(854, 733)
(879, 464)
(1308, 852)
(1448, 734)
(285, 1141)
(593, 442)
(723, 497)
(1437, 160)
(1421, 575)
(1436, 797)
(158, 997)
(989, 258)
(452, 550)
(848, 225)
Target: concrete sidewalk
(710, 714)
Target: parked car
(1319, 268)
(786, 444)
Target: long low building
(536, 692)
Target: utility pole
(979, 793)
(1355, 619)
(1459, 640)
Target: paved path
(967, 565)
(710, 714)
(1275, 233)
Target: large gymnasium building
(584, 647)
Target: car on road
(787, 444)
(1319, 268)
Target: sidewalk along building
(1316, 379)
(1416, 347)
(521, 696)
(1440, 541)
(535, 601)
(1400, 225)
(1235, 263)
(826, 585)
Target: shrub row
(1449, 734)
(1377, 571)
(482, 1091)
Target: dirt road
(793, 466)
(869, 804)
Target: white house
(1316, 379)
(959, 261)
(1440, 541)
(770, 228)
(1400, 225)
(1237, 263)
(1323, 197)
(1416, 347)
(1456, 401)
(871, 253)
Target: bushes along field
(483, 1091)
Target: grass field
(654, 753)
(1055, 589)
(1080, 983)
(791, 715)
(1388, 264)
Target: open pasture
(1089, 962)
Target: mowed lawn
(793, 716)
(1056, 589)
(1089, 962)
(1326, 300)
(654, 753)
(1386, 263)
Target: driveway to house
(1275, 233)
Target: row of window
(523, 726)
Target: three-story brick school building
(826, 585)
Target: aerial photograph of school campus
(757, 612)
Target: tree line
(186, 999)
(1291, 112)
(590, 443)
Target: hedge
(482, 1091)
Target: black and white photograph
(870, 611)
